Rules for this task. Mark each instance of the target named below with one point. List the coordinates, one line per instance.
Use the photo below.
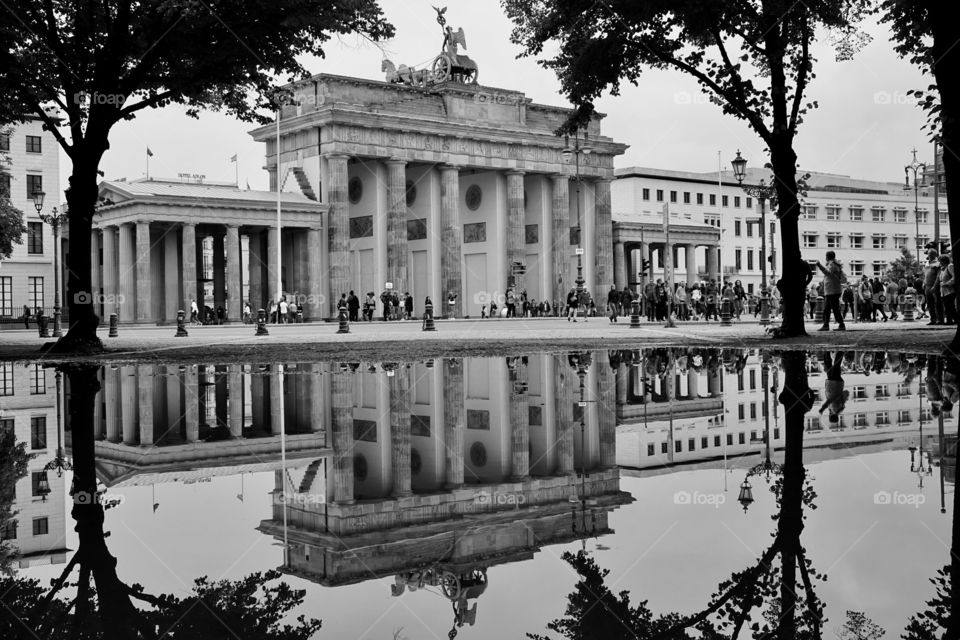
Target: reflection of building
(448, 469)
(157, 422)
(28, 406)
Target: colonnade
(628, 258)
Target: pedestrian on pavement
(353, 306)
(369, 306)
(26, 317)
(948, 290)
(194, 312)
(282, 310)
(892, 291)
(247, 312)
(931, 288)
(832, 288)
(408, 306)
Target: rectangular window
(4, 185)
(33, 144)
(879, 268)
(40, 527)
(749, 259)
(753, 410)
(833, 240)
(9, 531)
(646, 194)
(659, 195)
(736, 258)
(729, 439)
(692, 444)
(856, 269)
(736, 228)
(860, 420)
(740, 381)
(34, 184)
(6, 296)
(881, 391)
(856, 214)
(725, 200)
(922, 240)
(856, 241)
(36, 480)
(699, 198)
(35, 292)
(663, 448)
(35, 238)
(879, 242)
(903, 389)
(879, 215)
(673, 196)
(741, 412)
(713, 199)
(6, 425)
(38, 380)
(38, 432)
(736, 201)
(809, 241)
(651, 450)
(6, 378)
(753, 379)
(716, 441)
(858, 392)
(899, 242)
(749, 203)
(944, 218)
(678, 446)
(833, 212)
(686, 197)
(899, 215)
(4, 142)
(742, 438)
(903, 415)
(922, 217)
(704, 442)
(809, 212)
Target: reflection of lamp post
(766, 467)
(60, 462)
(917, 168)
(575, 153)
(582, 362)
(761, 192)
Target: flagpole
(236, 169)
(148, 163)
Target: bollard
(42, 324)
(635, 313)
(818, 310)
(181, 328)
(726, 311)
(908, 308)
(428, 324)
(764, 307)
(262, 323)
(113, 326)
(344, 326)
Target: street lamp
(582, 362)
(54, 219)
(918, 169)
(762, 192)
(60, 462)
(574, 153)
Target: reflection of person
(835, 395)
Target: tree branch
(801, 73)
(52, 126)
(811, 595)
(143, 104)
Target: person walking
(892, 291)
(879, 299)
(948, 290)
(613, 303)
(865, 295)
(282, 309)
(832, 288)
(573, 301)
(369, 306)
(353, 306)
(931, 288)
(194, 313)
(847, 299)
(408, 306)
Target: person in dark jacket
(353, 306)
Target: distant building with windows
(26, 278)
(865, 222)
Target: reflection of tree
(13, 467)
(783, 594)
(247, 608)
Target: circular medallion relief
(478, 454)
(474, 197)
(415, 462)
(359, 467)
(411, 193)
(355, 190)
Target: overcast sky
(865, 126)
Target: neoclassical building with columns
(444, 189)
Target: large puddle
(480, 497)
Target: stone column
(454, 421)
(277, 405)
(172, 391)
(520, 433)
(690, 252)
(171, 277)
(397, 253)
(145, 402)
(128, 404)
(605, 274)
(96, 280)
(272, 292)
(713, 383)
(619, 266)
(255, 270)
(607, 413)
(314, 310)
(400, 431)
(144, 274)
(235, 400)
(234, 306)
(316, 398)
(219, 273)
(188, 255)
(515, 229)
(452, 233)
(561, 238)
(342, 437)
(693, 384)
(338, 230)
(110, 284)
(191, 401)
(127, 274)
(110, 393)
(623, 384)
(99, 428)
(713, 262)
(565, 383)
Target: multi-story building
(28, 407)
(867, 223)
(26, 278)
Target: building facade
(26, 278)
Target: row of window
(880, 419)
(877, 214)
(41, 527)
(38, 379)
(34, 296)
(705, 442)
(34, 184)
(34, 144)
(725, 200)
(856, 241)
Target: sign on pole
(668, 262)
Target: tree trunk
(796, 272)
(946, 69)
(81, 202)
(796, 400)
